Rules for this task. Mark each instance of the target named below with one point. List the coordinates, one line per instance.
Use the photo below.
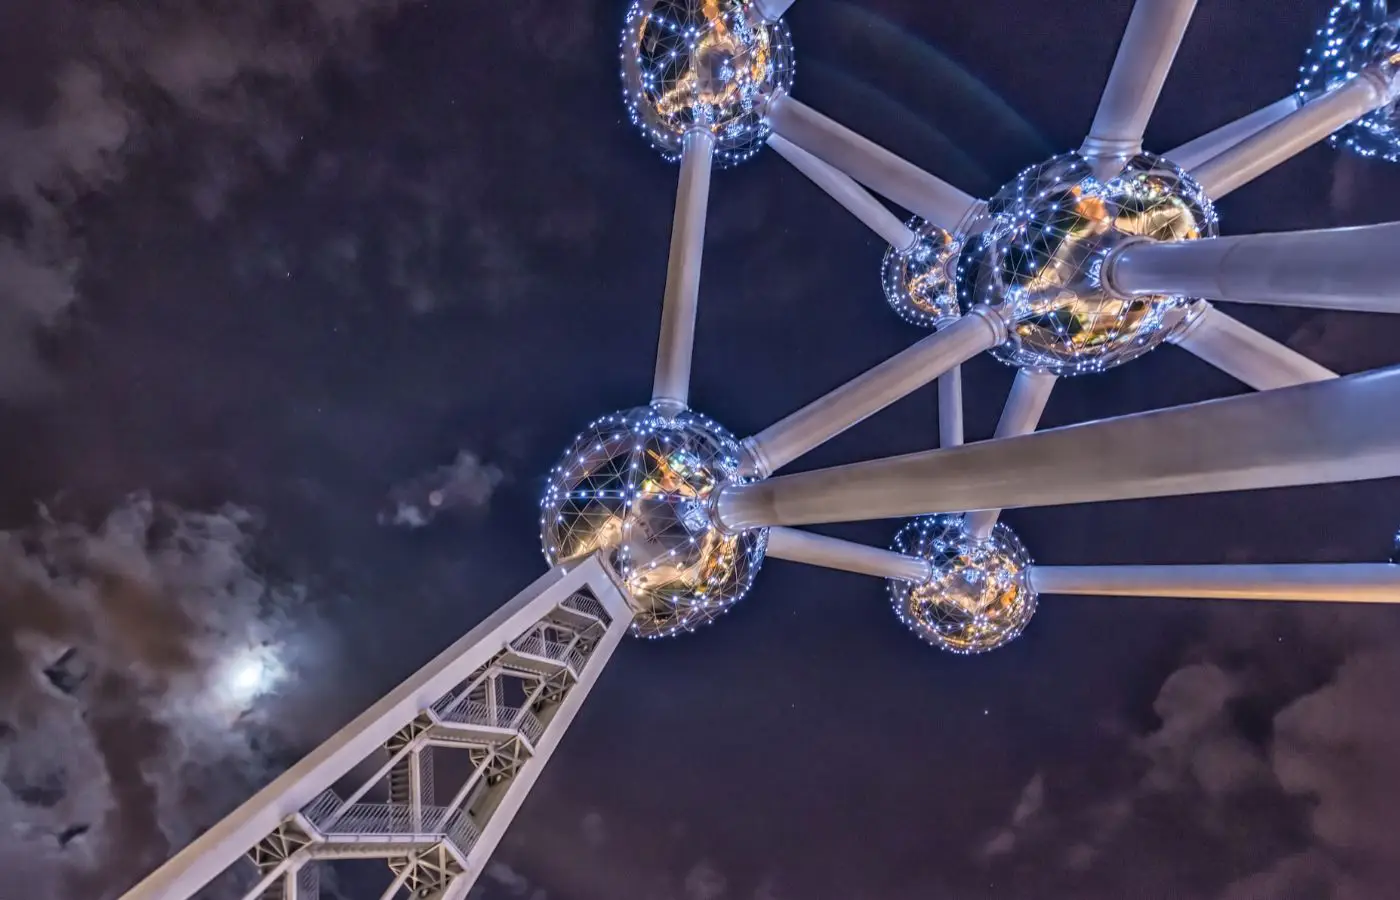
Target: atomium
(711, 66)
(1039, 262)
(1358, 33)
(918, 281)
(977, 596)
(637, 486)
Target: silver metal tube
(1326, 432)
(1192, 154)
(677, 343)
(1327, 583)
(863, 396)
(1029, 394)
(844, 190)
(1297, 131)
(950, 408)
(1144, 58)
(398, 882)
(268, 879)
(772, 10)
(834, 553)
(1332, 268)
(934, 199)
(1256, 359)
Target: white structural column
(934, 199)
(1293, 133)
(844, 190)
(1323, 583)
(561, 630)
(950, 408)
(856, 400)
(1029, 394)
(1193, 153)
(677, 345)
(1331, 268)
(772, 10)
(1326, 432)
(1144, 58)
(1256, 359)
(834, 553)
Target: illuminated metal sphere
(979, 596)
(1358, 33)
(1039, 261)
(637, 486)
(918, 281)
(708, 64)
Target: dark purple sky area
(270, 273)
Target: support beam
(1331, 583)
(1029, 394)
(844, 190)
(1256, 359)
(1192, 154)
(834, 553)
(1331, 268)
(1149, 45)
(1312, 122)
(1327, 432)
(677, 345)
(856, 400)
(950, 408)
(772, 10)
(867, 162)
(269, 878)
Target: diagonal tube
(1193, 153)
(1145, 55)
(677, 342)
(867, 162)
(1029, 394)
(844, 190)
(1331, 431)
(833, 553)
(1330, 268)
(1312, 122)
(1256, 359)
(858, 399)
(950, 408)
(1323, 583)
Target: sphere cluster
(1358, 33)
(1039, 262)
(918, 281)
(978, 596)
(711, 65)
(637, 486)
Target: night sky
(267, 279)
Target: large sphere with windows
(918, 281)
(978, 595)
(1039, 261)
(637, 486)
(1358, 33)
(703, 64)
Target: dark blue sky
(294, 261)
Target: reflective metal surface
(711, 64)
(917, 282)
(637, 486)
(1040, 260)
(979, 596)
(1358, 33)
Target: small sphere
(703, 64)
(979, 596)
(1358, 33)
(917, 281)
(1039, 261)
(637, 486)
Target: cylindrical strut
(680, 303)
(1256, 359)
(844, 190)
(1326, 432)
(1334, 583)
(1024, 407)
(1331, 268)
(1192, 154)
(834, 553)
(950, 408)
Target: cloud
(1028, 809)
(137, 662)
(465, 484)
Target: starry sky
(271, 277)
